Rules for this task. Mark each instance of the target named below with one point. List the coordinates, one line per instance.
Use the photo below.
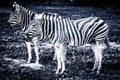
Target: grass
(13, 51)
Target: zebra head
(40, 25)
(35, 26)
(15, 16)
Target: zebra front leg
(55, 56)
(36, 49)
(63, 58)
(60, 51)
(29, 48)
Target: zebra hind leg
(98, 51)
(96, 58)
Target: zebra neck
(24, 25)
(47, 29)
(25, 19)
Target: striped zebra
(22, 16)
(63, 32)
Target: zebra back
(74, 32)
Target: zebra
(62, 32)
(22, 16)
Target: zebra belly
(74, 43)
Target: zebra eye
(38, 19)
(33, 24)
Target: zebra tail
(107, 43)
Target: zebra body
(22, 16)
(62, 32)
(74, 32)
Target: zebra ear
(38, 16)
(16, 6)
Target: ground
(13, 51)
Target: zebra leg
(60, 52)
(101, 47)
(36, 45)
(63, 57)
(96, 57)
(57, 52)
(29, 48)
(98, 51)
(55, 57)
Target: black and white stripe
(20, 15)
(62, 32)
(74, 32)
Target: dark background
(96, 3)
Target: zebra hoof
(54, 58)
(94, 69)
(98, 72)
(61, 75)
(57, 73)
(28, 62)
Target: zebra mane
(21, 8)
(26, 10)
(53, 14)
